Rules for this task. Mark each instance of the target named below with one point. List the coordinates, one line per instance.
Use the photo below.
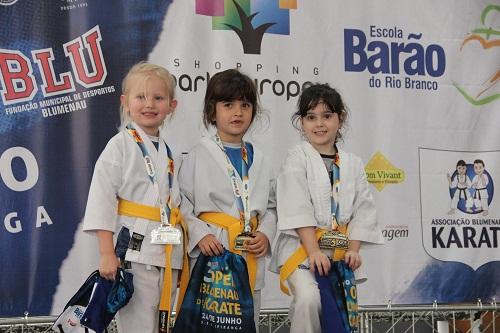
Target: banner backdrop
(420, 80)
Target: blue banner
(61, 66)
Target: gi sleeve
(197, 229)
(294, 203)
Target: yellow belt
(133, 209)
(300, 255)
(234, 227)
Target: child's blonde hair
(146, 70)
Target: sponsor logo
(51, 93)
(459, 216)
(249, 19)
(488, 39)
(188, 81)
(272, 78)
(380, 172)
(395, 58)
(392, 231)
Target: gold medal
(334, 239)
(239, 242)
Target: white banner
(412, 74)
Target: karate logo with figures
(460, 216)
(471, 188)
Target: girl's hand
(210, 246)
(320, 262)
(108, 266)
(258, 245)
(352, 259)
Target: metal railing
(436, 318)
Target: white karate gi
(120, 172)
(206, 187)
(303, 200)
(480, 183)
(462, 184)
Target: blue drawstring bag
(338, 300)
(331, 318)
(218, 298)
(121, 291)
(96, 317)
(95, 304)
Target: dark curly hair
(320, 93)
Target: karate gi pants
(305, 308)
(141, 314)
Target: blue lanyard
(165, 208)
(243, 196)
(334, 198)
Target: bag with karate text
(218, 297)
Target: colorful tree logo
(489, 39)
(249, 19)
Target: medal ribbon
(242, 196)
(165, 215)
(165, 208)
(335, 171)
